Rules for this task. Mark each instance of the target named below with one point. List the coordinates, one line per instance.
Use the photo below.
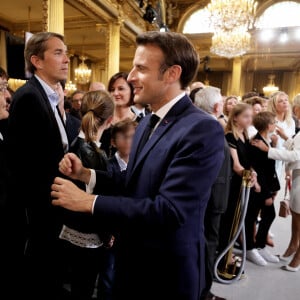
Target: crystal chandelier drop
(226, 15)
(231, 20)
(83, 73)
(230, 43)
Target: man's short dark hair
(177, 50)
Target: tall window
(198, 22)
(282, 14)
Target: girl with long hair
(86, 246)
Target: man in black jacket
(37, 140)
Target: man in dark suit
(159, 220)
(37, 141)
(210, 100)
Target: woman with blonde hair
(86, 246)
(279, 104)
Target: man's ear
(173, 73)
(37, 62)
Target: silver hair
(207, 97)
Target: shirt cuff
(91, 185)
(94, 204)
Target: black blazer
(160, 217)
(220, 190)
(3, 167)
(265, 169)
(72, 127)
(34, 151)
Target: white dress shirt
(122, 163)
(54, 100)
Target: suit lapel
(163, 127)
(37, 84)
(34, 81)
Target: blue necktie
(146, 134)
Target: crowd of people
(118, 192)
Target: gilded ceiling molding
(133, 14)
(113, 11)
(45, 13)
(75, 23)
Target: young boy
(264, 122)
(121, 138)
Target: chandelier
(270, 88)
(229, 14)
(70, 87)
(230, 43)
(83, 73)
(231, 20)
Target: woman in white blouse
(291, 155)
(279, 104)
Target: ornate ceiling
(86, 21)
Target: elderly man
(210, 100)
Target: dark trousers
(212, 226)
(34, 263)
(256, 205)
(42, 272)
(267, 215)
(85, 264)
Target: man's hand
(68, 195)
(72, 167)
